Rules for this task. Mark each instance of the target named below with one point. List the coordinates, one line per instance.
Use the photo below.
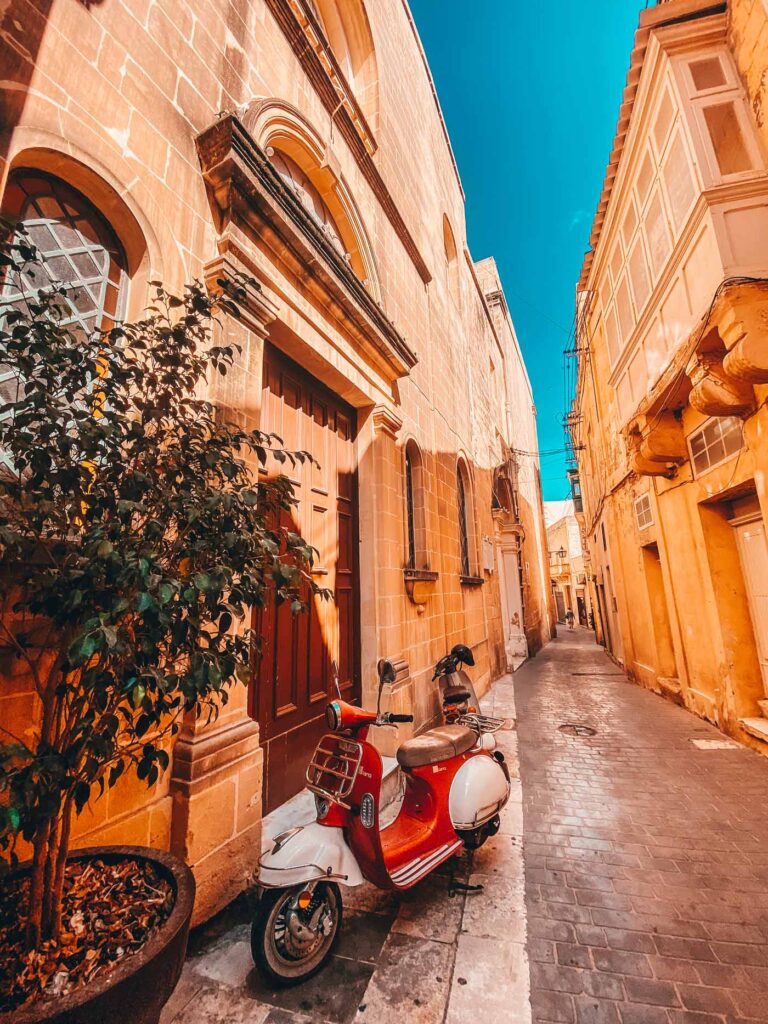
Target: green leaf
(105, 549)
(82, 648)
(82, 792)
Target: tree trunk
(51, 859)
(61, 865)
(36, 891)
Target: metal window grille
(643, 512)
(410, 510)
(717, 440)
(77, 249)
(463, 531)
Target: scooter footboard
(306, 854)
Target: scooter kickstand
(454, 886)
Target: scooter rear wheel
(290, 945)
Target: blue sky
(530, 94)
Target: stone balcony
(715, 371)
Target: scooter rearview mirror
(386, 672)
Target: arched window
(416, 513)
(348, 34)
(77, 248)
(308, 195)
(466, 519)
(451, 260)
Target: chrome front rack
(334, 766)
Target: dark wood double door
(293, 678)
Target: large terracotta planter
(138, 988)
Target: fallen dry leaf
(110, 911)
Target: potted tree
(136, 538)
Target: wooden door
(753, 549)
(293, 677)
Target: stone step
(757, 727)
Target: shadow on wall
(22, 28)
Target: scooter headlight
(333, 715)
(321, 806)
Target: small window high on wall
(718, 100)
(451, 261)
(466, 515)
(416, 517)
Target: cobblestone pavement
(421, 958)
(646, 852)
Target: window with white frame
(714, 442)
(654, 215)
(643, 513)
(717, 98)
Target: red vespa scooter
(455, 786)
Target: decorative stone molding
(225, 273)
(741, 317)
(387, 421)
(246, 189)
(656, 444)
(301, 30)
(402, 673)
(216, 784)
(714, 391)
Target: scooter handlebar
(389, 718)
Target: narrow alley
(646, 852)
(645, 858)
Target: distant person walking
(570, 618)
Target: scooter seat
(456, 696)
(435, 745)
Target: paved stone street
(424, 957)
(646, 852)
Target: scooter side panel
(478, 792)
(314, 851)
(364, 828)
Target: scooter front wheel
(294, 931)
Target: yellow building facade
(298, 142)
(670, 420)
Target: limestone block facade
(298, 142)
(672, 313)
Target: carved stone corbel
(387, 421)
(741, 317)
(656, 444)
(226, 273)
(715, 392)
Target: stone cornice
(331, 86)
(245, 188)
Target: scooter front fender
(306, 854)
